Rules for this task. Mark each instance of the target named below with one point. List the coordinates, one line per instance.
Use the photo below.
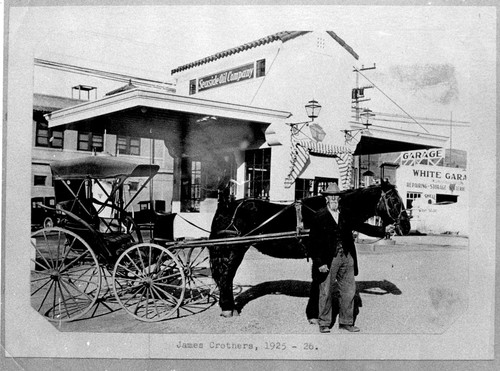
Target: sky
(424, 55)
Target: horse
(245, 217)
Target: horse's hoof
(229, 313)
(226, 313)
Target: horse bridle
(383, 199)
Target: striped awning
(322, 149)
(301, 151)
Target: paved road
(416, 285)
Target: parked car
(43, 217)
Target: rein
(231, 224)
(396, 220)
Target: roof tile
(282, 36)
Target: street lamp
(349, 135)
(313, 108)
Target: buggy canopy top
(101, 167)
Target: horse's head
(391, 208)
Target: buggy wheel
(200, 286)
(65, 275)
(148, 282)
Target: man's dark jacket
(324, 233)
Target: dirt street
(414, 286)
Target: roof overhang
(387, 140)
(195, 123)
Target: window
(446, 198)
(196, 184)
(128, 146)
(192, 87)
(40, 180)
(321, 184)
(320, 43)
(133, 186)
(304, 188)
(190, 185)
(410, 197)
(260, 68)
(90, 142)
(46, 137)
(258, 173)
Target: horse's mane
(360, 204)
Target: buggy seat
(82, 218)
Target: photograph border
(30, 341)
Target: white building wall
(311, 66)
(430, 181)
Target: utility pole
(358, 95)
(451, 135)
(359, 92)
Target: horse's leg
(224, 261)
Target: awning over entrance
(302, 149)
(189, 126)
(387, 140)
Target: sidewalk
(412, 242)
(441, 240)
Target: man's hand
(390, 229)
(323, 268)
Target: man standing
(334, 258)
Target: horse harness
(384, 202)
(298, 212)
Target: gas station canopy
(187, 125)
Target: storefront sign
(433, 179)
(237, 74)
(425, 156)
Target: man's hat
(333, 189)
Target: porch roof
(184, 123)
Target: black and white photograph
(249, 182)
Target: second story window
(260, 68)
(88, 141)
(128, 146)
(192, 87)
(46, 137)
(40, 180)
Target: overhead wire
(392, 100)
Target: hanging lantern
(313, 108)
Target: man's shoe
(349, 328)
(313, 321)
(324, 329)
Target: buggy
(97, 252)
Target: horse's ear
(385, 184)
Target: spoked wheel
(199, 283)
(148, 282)
(65, 274)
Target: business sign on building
(431, 180)
(431, 156)
(233, 75)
